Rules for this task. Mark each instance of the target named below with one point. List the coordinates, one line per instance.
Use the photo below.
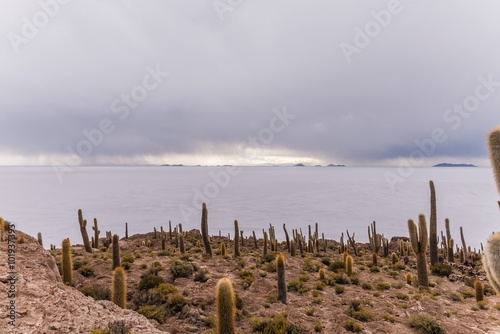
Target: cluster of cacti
(83, 229)
(419, 241)
(204, 230)
(67, 263)
(95, 243)
(280, 271)
(433, 243)
(225, 307)
(119, 288)
(374, 238)
(116, 251)
(352, 242)
(236, 239)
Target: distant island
(330, 165)
(177, 165)
(446, 164)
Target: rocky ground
(372, 300)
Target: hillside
(378, 299)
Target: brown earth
(45, 305)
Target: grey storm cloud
(225, 77)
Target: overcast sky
(351, 84)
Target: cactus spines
(67, 265)
(236, 239)
(494, 148)
(463, 242)
(119, 291)
(116, 251)
(2, 229)
(225, 306)
(39, 237)
(83, 229)
(204, 230)
(280, 270)
(491, 261)
(433, 227)
(349, 264)
(96, 234)
(479, 290)
(419, 241)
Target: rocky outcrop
(45, 305)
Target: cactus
(494, 148)
(2, 229)
(374, 237)
(280, 270)
(236, 239)
(170, 230)
(67, 263)
(176, 237)
(96, 234)
(293, 251)
(301, 248)
(349, 264)
(419, 241)
(491, 261)
(451, 243)
(119, 291)
(322, 274)
(408, 278)
(116, 251)
(223, 248)
(242, 239)
(83, 229)
(39, 237)
(287, 238)
(479, 290)
(394, 258)
(374, 260)
(463, 243)
(264, 252)
(433, 244)
(255, 245)
(225, 306)
(385, 245)
(126, 230)
(163, 240)
(352, 242)
(204, 230)
(181, 240)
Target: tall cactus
(119, 288)
(494, 147)
(116, 251)
(182, 248)
(255, 245)
(450, 241)
(96, 234)
(280, 270)
(40, 240)
(67, 263)
(126, 230)
(264, 252)
(433, 244)
(83, 230)
(204, 230)
(225, 306)
(349, 262)
(419, 241)
(374, 237)
(287, 238)
(236, 239)
(463, 242)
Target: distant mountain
(299, 165)
(332, 165)
(178, 165)
(446, 164)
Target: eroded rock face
(45, 305)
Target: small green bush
(425, 324)
(353, 326)
(358, 310)
(202, 276)
(96, 292)
(276, 324)
(442, 269)
(337, 266)
(150, 281)
(86, 270)
(181, 269)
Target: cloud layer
(227, 76)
